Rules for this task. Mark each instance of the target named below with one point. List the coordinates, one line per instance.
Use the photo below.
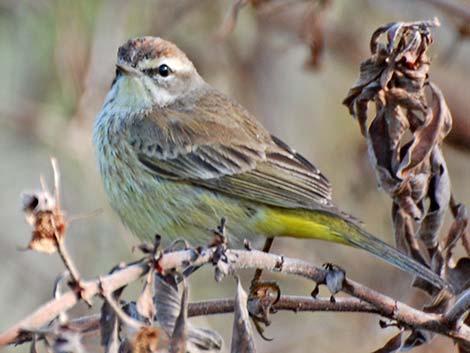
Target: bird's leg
(256, 278)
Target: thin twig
(66, 259)
(56, 171)
(226, 306)
(286, 302)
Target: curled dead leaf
(242, 333)
(405, 134)
(168, 303)
(145, 304)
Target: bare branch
(244, 259)
(87, 324)
(54, 307)
(288, 303)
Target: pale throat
(139, 93)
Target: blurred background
(289, 62)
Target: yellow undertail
(336, 228)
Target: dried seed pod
(44, 214)
(46, 218)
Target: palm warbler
(176, 155)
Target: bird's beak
(127, 69)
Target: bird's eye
(164, 70)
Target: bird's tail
(332, 226)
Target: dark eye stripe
(150, 72)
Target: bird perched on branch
(175, 155)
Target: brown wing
(234, 155)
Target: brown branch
(245, 259)
(53, 308)
(226, 306)
(286, 302)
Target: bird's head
(152, 71)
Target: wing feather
(235, 155)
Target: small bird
(176, 155)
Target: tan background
(56, 62)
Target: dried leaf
(47, 220)
(399, 229)
(405, 135)
(457, 229)
(178, 340)
(242, 333)
(401, 97)
(419, 184)
(439, 196)
(459, 275)
(415, 339)
(369, 72)
(429, 135)
(110, 326)
(396, 343)
(110, 334)
(168, 303)
(145, 303)
(381, 144)
(464, 347)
